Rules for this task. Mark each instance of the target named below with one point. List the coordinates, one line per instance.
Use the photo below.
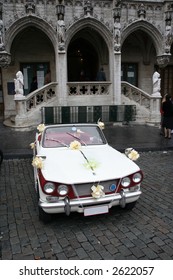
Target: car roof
(73, 124)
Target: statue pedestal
(19, 97)
(156, 94)
(20, 118)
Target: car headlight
(62, 189)
(125, 182)
(137, 177)
(49, 187)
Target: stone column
(62, 78)
(117, 78)
(117, 53)
(155, 116)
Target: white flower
(97, 191)
(132, 154)
(79, 131)
(101, 124)
(75, 145)
(41, 127)
(37, 162)
(32, 145)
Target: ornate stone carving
(168, 31)
(88, 9)
(117, 26)
(5, 59)
(30, 6)
(141, 11)
(2, 47)
(117, 34)
(163, 60)
(60, 11)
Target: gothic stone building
(74, 39)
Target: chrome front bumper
(78, 205)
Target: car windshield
(62, 136)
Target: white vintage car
(76, 170)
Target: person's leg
(169, 133)
(165, 132)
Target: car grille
(85, 189)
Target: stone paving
(146, 232)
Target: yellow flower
(37, 162)
(75, 145)
(131, 154)
(97, 191)
(91, 164)
(32, 145)
(41, 127)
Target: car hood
(91, 164)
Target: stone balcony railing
(88, 88)
(141, 98)
(27, 105)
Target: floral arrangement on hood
(41, 127)
(37, 162)
(132, 154)
(75, 145)
(97, 191)
(101, 124)
(91, 163)
(32, 145)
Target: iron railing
(86, 114)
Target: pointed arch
(88, 44)
(95, 25)
(28, 21)
(150, 29)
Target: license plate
(95, 210)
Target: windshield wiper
(76, 137)
(58, 141)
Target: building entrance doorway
(34, 72)
(82, 61)
(129, 73)
(167, 80)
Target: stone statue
(156, 83)
(61, 30)
(2, 47)
(117, 34)
(168, 37)
(18, 83)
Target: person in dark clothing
(34, 84)
(101, 75)
(167, 108)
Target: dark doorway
(31, 71)
(167, 80)
(82, 61)
(129, 73)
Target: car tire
(130, 206)
(43, 216)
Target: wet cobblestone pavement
(146, 232)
